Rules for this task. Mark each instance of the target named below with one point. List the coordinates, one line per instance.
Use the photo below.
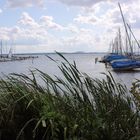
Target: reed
(73, 107)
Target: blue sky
(64, 25)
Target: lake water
(85, 63)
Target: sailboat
(131, 62)
(10, 54)
(116, 50)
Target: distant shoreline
(42, 53)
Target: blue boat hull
(112, 57)
(126, 64)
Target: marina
(16, 58)
(123, 56)
(11, 56)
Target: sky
(32, 26)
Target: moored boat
(129, 61)
(111, 57)
(125, 64)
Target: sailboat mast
(126, 44)
(120, 41)
(125, 28)
(1, 49)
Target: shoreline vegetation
(75, 107)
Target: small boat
(125, 64)
(110, 57)
(116, 49)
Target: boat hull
(127, 64)
(112, 57)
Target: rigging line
(133, 36)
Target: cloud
(106, 19)
(80, 2)
(47, 21)
(81, 39)
(107, 15)
(0, 10)
(27, 20)
(24, 3)
(72, 28)
(4, 33)
(94, 26)
(86, 19)
(89, 3)
(29, 32)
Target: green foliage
(75, 107)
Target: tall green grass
(75, 107)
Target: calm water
(85, 63)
